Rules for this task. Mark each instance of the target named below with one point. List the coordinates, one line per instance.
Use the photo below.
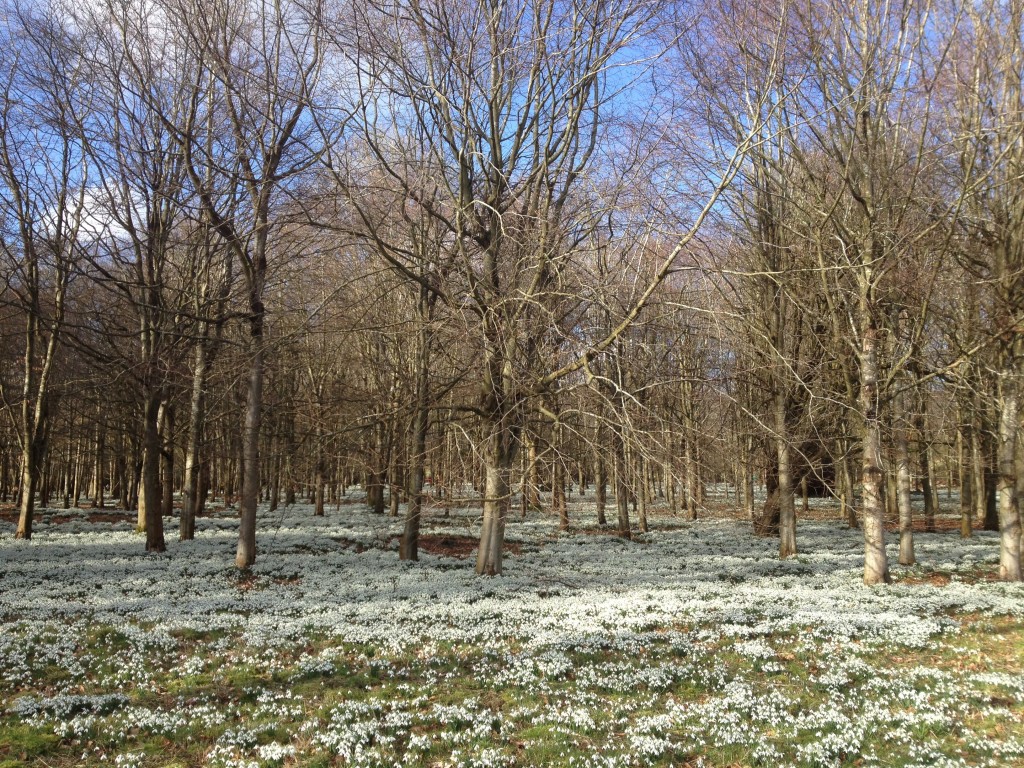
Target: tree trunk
(98, 473)
(876, 564)
(245, 554)
(787, 509)
(167, 455)
(924, 462)
(1009, 513)
(149, 501)
(600, 488)
(644, 479)
(966, 481)
(408, 548)
(621, 485)
(193, 459)
(498, 457)
(748, 477)
(30, 464)
(902, 447)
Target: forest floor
(692, 645)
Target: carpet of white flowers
(690, 645)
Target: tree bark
(245, 554)
(903, 485)
(1009, 513)
(787, 509)
(149, 501)
(193, 459)
(876, 564)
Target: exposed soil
(459, 546)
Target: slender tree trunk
(691, 476)
(167, 455)
(245, 554)
(600, 489)
(100, 456)
(621, 485)
(558, 500)
(787, 509)
(903, 485)
(319, 469)
(644, 479)
(748, 476)
(1009, 513)
(193, 460)
(408, 548)
(924, 461)
(532, 472)
(966, 485)
(149, 501)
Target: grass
(654, 688)
(520, 721)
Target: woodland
(440, 382)
(260, 251)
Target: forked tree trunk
(498, 458)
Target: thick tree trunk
(29, 478)
(600, 488)
(498, 458)
(876, 564)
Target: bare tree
(43, 180)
